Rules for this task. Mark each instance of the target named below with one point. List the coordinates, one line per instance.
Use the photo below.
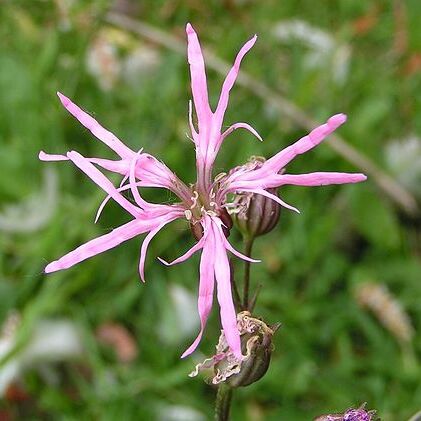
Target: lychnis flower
(204, 204)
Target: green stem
(236, 294)
(247, 251)
(223, 402)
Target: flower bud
(360, 414)
(253, 213)
(256, 346)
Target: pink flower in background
(204, 204)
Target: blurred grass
(330, 353)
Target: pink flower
(204, 204)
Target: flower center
(201, 206)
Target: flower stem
(223, 402)
(236, 294)
(247, 251)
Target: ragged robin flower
(203, 204)
(352, 414)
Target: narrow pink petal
(230, 80)
(152, 172)
(186, 255)
(206, 287)
(235, 127)
(95, 128)
(123, 180)
(198, 78)
(192, 128)
(120, 166)
(133, 187)
(218, 225)
(51, 157)
(164, 211)
(321, 178)
(108, 197)
(95, 175)
(99, 245)
(145, 245)
(230, 248)
(264, 192)
(155, 173)
(316, 136)
(101, 208)
(223, 280)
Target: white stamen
(210, 213)
(220, 176)
(194, 199)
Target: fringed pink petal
(95, 175)
(99, 245)
(242, 256)
(108, 197)
(101, 208)
(277, 199)
(95, 128)
(120, 166)
(315, 137)
(133, 187)
(206, 287)
(321, 178)
(123, 180)
(147, 168)
(223, 280)
(164, 212)
(192, 128)
(198, 78)
(151, 170)
(186, 255)
(145, 245)
(218, 224)
(155, 173)
(230, 80)
(235, 127)
(51, 157)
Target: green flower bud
(254, 214)
(256, 345)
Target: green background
(330, 353)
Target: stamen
(240, 204)
(212, 196)
(219, 177)
(188, 214)
(194, 199)
(210, 213)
